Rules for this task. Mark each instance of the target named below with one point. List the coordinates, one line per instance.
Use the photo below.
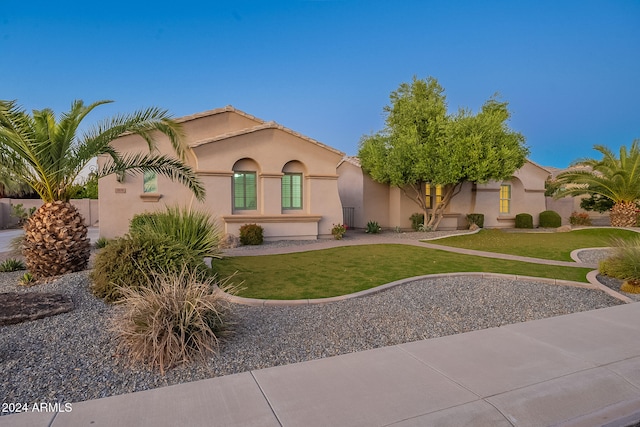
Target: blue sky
(570, 70)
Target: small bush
(417, 219)
(128, 261)
(624, 263)
(338, 231)
(18, 211)
(524, 220)
(11, 264)
(27, 279)
(175, 318)
(251, 234)
(373, 227)
(580, 219)
(476, 218)
(193, 228)
(550, 219)
(101, 242)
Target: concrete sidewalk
(581, 369)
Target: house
(253, 172)
(365, 200)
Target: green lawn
(344, 270)
(556, 246)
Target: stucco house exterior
(365, 200)
(253, 172)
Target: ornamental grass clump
(11, 264)
(128, 262)
(195, 229)
(178, 317)
(624, 264)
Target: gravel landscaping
(72, 357)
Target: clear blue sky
(570, 70)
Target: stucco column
(323, 198)
(270, 197)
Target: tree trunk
(624, 214)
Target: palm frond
(169, 167)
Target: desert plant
(476, 218)
(27, 279)
(624, 263)
(48, 153)
(175, 318)
(101, 242)
(373, 227)
(251, 234)
(579, 219)
(11, 264)
(524, 220)
(194, 228)
(550, 219)
(338, 231)
(616, 178)
(129, 260)
(416, 220)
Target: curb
(290, 303)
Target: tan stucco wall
(391, 208)
(88, 208)
(268, 151)
(350, 184)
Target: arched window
(292, 186)
(245, 185)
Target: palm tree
(49, 154)
(615, 178)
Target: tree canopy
(48, 153)
(616, 178)
(422, 144)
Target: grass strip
(344, 270)
(555, 246)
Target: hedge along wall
(87, 207)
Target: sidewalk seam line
(266, 398)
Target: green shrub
(373, 227)
(129, 260)
(18, 211)
(101, 242)
(476, 218)
(524, 220)
(417, 219)
(579, 219)
(251, 234)
(550, 219)
(176, 317)
(338, 231)
(193, 228)
(11, 264)
(624, 263)
(27, 279)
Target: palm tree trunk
(623, 214)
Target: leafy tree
(614, 178)
(88, 189)
(48, 154)
(422, 144)
(596, 203)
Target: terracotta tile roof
(227, 109)
(354, 160)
